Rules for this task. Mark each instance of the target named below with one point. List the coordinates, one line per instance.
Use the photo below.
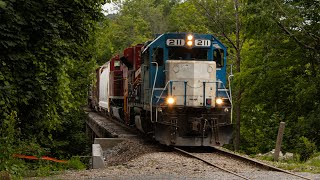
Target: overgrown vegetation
(47, 50)
(280, 74)
(295, 164)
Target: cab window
(218, 55)
(181, 53)
(158, 56)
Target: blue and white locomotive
(174, 87)
(182, 97)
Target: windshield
(182, 53)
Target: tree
(46, 60)
(135, 23)
(280, 66)
(185, 17)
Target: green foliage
(305, 148)
(186, 17)
(136, 22)
(45, 168)
(104, 44)
(76, 163)
(9, 141)
(72, 137)
(314, 160)
(280, 73)
(45, 65)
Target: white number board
(176, 42)
(202, 42)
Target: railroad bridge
(102, 126)
(104, 134)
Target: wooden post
(279, 141)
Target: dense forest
(47, 56)
(49, 49)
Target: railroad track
(117, 129)
(238, 157)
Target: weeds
(295, 164)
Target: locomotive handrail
(144, 49)
(171, 81)
(224, 87)
(165, 87)
(228, 95)
(185, 93)
(162, 91)
(136, 81)
(154, 84)
(230, 90)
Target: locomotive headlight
(170, 100)
(219, 101)
(190, 40)
(189, 37)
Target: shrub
(75, 163)
(305, 148)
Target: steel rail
(209, 163)
(261, 164)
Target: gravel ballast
(134, 159)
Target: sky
(109, 8)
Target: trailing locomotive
(173, 87)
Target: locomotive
(173, 87)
